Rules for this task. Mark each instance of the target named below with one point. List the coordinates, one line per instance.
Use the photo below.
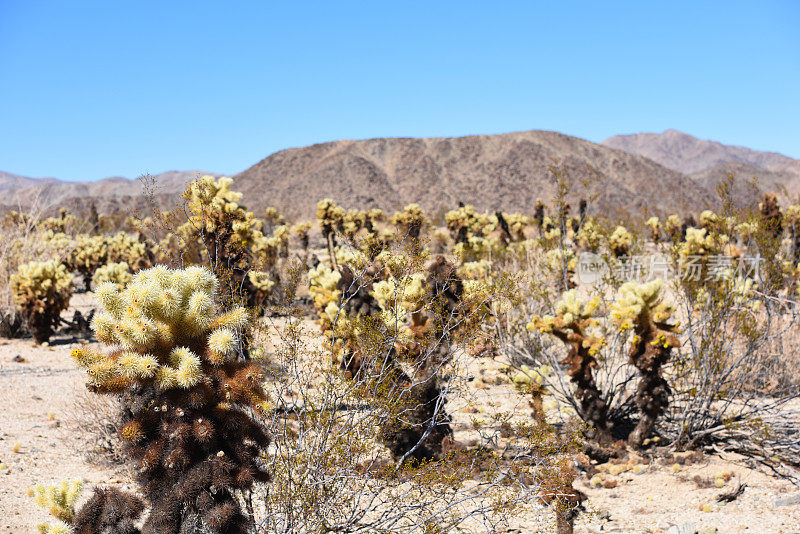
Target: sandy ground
(40, 442)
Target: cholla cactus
(640, 308)
(673, 228)
(224, 226)
(379, 320)
(262, 283)
(538, 213)
(654, 225)
(352, 222)
(126, 248)
(771, 214)
(330, 216)
(590, 235)
(189, 428)
(564, 263)
(89, 253)
(273, 218)
(301, 230)
(572, 324)
(116, 273)
(108, 510)
(59, 501)
(42, 290)
(792, 218)
(331, 220)
(58, 224)
(409, 222)
(517, 224)
(619, 242)
(464, 223)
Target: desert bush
(362, 435)
(42, 291)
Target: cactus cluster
(116, 273)
(174, 359)
(464, 222)
(382, 318)
(89, 253)
(42, 290)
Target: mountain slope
(685, 153)
(23, 191)
(508, 171)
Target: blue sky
(94, 89)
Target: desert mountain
(24, 191)
(508, 172)
(710, 161)
(644, 173)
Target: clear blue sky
(94, 89)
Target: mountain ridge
(626, 173)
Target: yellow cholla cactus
(59, 501)
(636, 299)
(42, 290)
(574, 325)
(117, 273)
(261, 280)
(329, 215)
(655, 228)
(211, 200)
(166, 327)
(672, 227)
(322, 288)
(620, 241)
(475, 270)
(89, 253)
(699, 242)
(409, 222)
(590, 235)
(301, 230)
(272, 217)
(125, 248)
(640, 307)
(745, 230)
(408, 292)
(570, 310)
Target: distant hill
(709, 161)
(508, 172)
(24, 191)
(640, 174)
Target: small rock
(686, 528)
(791, 500)
(18, 359)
